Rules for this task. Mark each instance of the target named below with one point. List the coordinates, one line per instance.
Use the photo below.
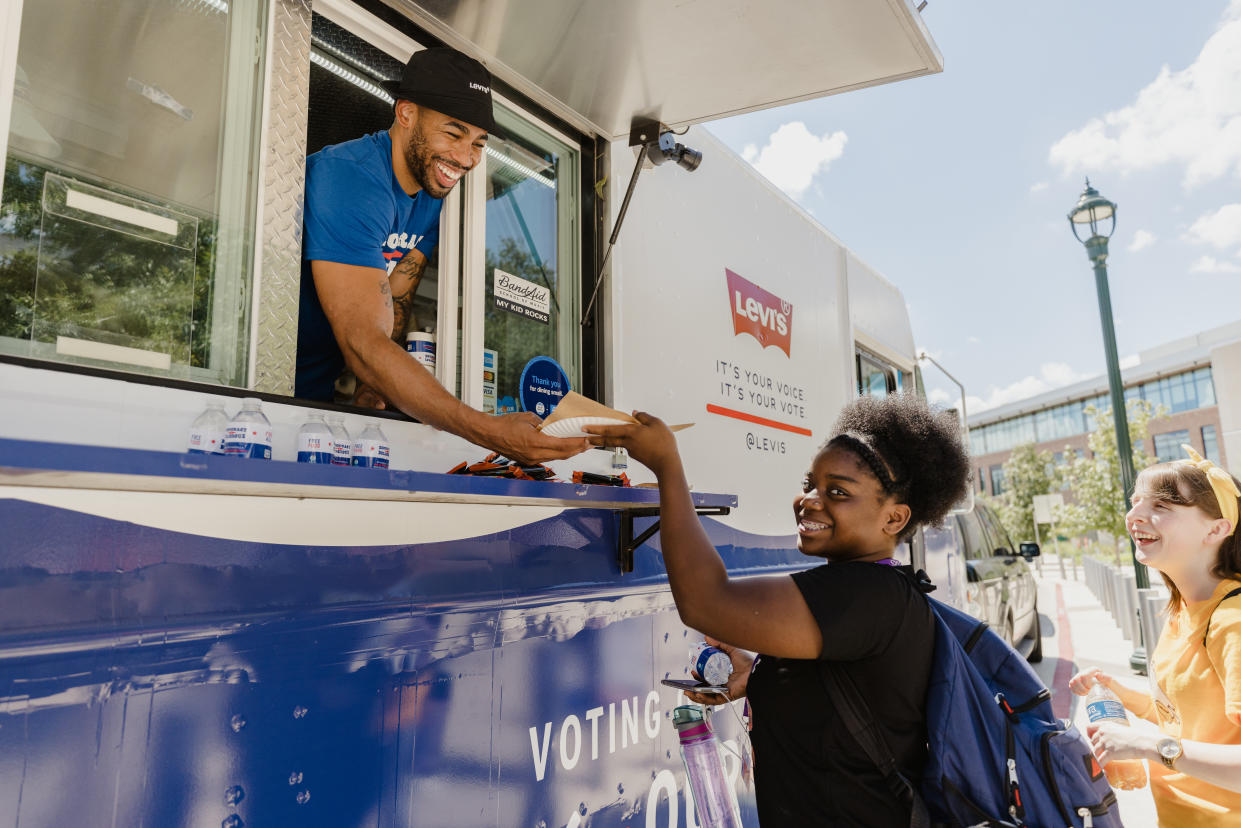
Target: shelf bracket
(628, 543)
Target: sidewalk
(1092, 640)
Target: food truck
(195, 639)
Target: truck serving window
(503, 285)
(127, 209)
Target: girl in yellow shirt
(1183, 523)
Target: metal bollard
(1152, 602)
(1128, 607)
(1108, 598)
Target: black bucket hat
(450, 82)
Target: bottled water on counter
(342, 446)
(249, 432)
(314, 440)
(371, 448)
(207, 432)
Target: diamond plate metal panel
(283, 187)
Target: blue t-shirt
(356, 214)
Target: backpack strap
(1207, 631)
(856, 714)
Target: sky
(956, 186)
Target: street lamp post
(1095, 212)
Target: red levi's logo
(762, 315)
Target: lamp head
(666, 148)
(1095, 211)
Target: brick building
(1196, 379)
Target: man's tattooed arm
(404, 284)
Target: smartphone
(695, 686)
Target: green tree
(1098, 502)
(1026, 474)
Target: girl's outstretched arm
(765, 614)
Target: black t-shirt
(808, 769)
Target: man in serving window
(371, 221)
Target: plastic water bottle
(371, 448)
(314, 440)
(714, 803)
(421, 346)
(342, 446)
(207, 432)
(711, 663)
(249, 432)
(620, 461)
(1103, 706)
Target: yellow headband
(1221, 483)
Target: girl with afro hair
(889, 466)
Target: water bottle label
(314, 448)
(421, 346)
(205, 441)
(248, 440)
(1104, 709)
(422, 351)
(712, 664)
(342, 451)
(370, 454)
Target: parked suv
(976, 567)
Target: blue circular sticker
(543, 384)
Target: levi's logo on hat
(762, 315)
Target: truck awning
(601, 63)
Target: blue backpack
(997, 754)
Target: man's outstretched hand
(517, 437)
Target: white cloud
(793, 156)
(1051, 375)
(1038, 186)
(1210, 264)
(1142, 239)
(973, 340)
(938, 396)
(1220, 229)
(1190, 117)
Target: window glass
(874, 378)
(1210, 444)
(997, 480)
(129, 184)
(532, 257)
(999, 537)
(1168, 445)
(975, 540)
(1205, 387)
(939, 545)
